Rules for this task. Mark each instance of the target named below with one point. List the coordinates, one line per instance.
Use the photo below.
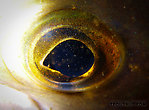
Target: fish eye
(68, 54)
(72, 50)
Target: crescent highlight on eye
(71, 50)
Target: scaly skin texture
(129, 19)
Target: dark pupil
(71, 57)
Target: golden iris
(105, 45)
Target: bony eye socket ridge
(102, 51)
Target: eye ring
(99, 40)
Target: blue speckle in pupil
(71, 57)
